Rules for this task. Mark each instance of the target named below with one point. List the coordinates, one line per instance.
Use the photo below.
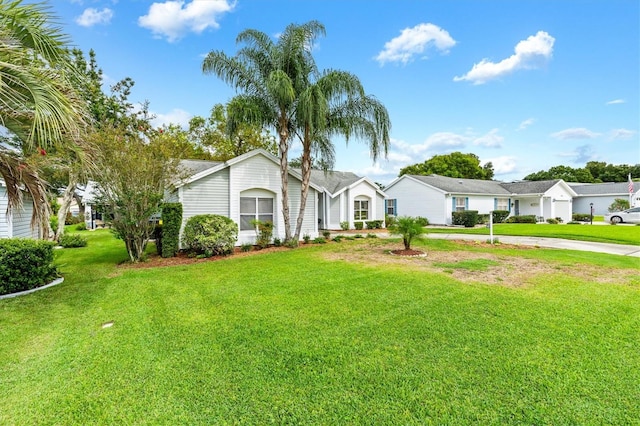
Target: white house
(602, 195)
(347, 197)
(436, 197)
(245, 188)
(18, 222)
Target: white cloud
(446, 140)
(616, 101)
(575, 133)
(529, 54)
(175, 116)
(91, 17)
(490, 140)
(502, 165)
(526, 123)
(173, 19)
(581, 155)
(414, 41)
(621, 134)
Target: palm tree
(37, 101)
(270, 76)
(336, 105)
(409, 228)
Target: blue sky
(525, 84)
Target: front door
(516, 207)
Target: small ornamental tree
(618, 205)
(409, 228)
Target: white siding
(364, 189)
(379, 211)
(334, 213)
(21, 219)
(416, 199)
(4, 226)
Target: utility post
(591, 205)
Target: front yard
(340, 333)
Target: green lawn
(296, 336)
(619, 234)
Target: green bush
(358, 225)
(73, 240)
(374, 224)
(82, 226)
(277, 242)
(320, 240)
(573, 222)
(25, 264)
(389, 220)
(171, 222)
(422, 221)
(246, 247)
(210, 234)
(326, 234)
(500, 216)
(468, 218)
(70, 219)
(552, 221)
(306, 238)
(618, 205)
(581, 217)
(483, 219)
(523, 219)
(338, 238)
(264, 231)
(370, 235)
(53, 221)
(358, 236)
(344, 225)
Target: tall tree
(456, 165)
(38, 102)
(270, 78)
(331, 105)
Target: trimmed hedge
(523, 219)
(73, 241)
(358, 225)
(468, 218)
(500, 216)
(170, 233)
(581, 217)
(374, 224)
(25, 264)
(210, 234)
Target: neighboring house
(436, 197)
(18, 222)
(347, 197)
(92, 214)
(602, 195)
(245, 188)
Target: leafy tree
(566, 173)
(409, 228)
(38, 102)
(618, 205)
(212, 135)
(270, 76)
(593, 172)
(456, 165)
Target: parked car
(626, 216)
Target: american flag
(630, 184)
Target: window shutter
(466, 203)
(509, 205)
(386, 205)
(395, 207)
(453, 204)
(495, 204)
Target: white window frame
(461, 204)
(257, 214)
(391, 207)
(358, 209)
(502, 204)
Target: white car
(626, 216)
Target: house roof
(333, 181)
(463, 186)
(196, 166)
(530, 187)
(610, 188)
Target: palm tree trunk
(65, 206)
(284, 176)
(304, 189)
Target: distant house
(18, 222)
(436, 197)
(347, 197)
(602, 195)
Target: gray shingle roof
(333, 181)
(194, 167)
(492, 187)
(610, 188)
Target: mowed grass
(291, 337)
(618, 234)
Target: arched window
(256, 204)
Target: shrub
(358, 225)
(16, 274)
(306, 238)
(171, 222)
(581, 217)
(264, 232)
(344, 225)
(210, 234)
(320, 240)
(523, 219)
(573, 222)
(409, 228)
(618, 205)
(245, 247)
(370, 235)
(389, 220)
(338, 238)
(70, 219)
(483, 219)
(358, 236)
(468, 218)
(326, 234)
(82, 226)
(374, 224)
(53, 221)
(277, 242)
(559, 219)
(422, 221)
(552, 221)
(73, 240)
(500, 216)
